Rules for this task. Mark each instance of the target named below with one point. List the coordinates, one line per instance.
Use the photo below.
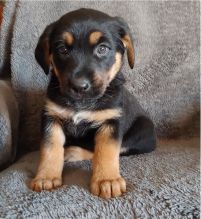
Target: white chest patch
(80, 116)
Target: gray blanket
(165, 80)
(163, 184)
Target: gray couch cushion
(8, 124)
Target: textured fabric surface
(162, 184)
(165, 79)
(8, 123)
(6, 33)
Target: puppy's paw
(109, 188)
(39, 184)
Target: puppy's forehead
(83, 14)
(92, 36)
(83, 23)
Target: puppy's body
(135, 126)
(87, 104)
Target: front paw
(108, 188)
(39, 184)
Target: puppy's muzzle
(80, 85)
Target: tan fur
(115, 67)
(98, 116)
(130, 49)
(57, 111)
(51, 160)
(103, 79)
(94, 37)
(68, 38)
(106, 153)
(75, 153)
(98, 80)
(106, 180)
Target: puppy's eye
(101, 50)
(62, 50)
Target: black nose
(81, 85)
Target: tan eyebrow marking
(94, 37)
(68, 38)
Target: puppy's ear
(42, 51)
(126, 39)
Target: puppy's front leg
(106, 180)
(50, 168)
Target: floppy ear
(126, 39)
(42, 51)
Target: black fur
(134, 128)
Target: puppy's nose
(81, 85)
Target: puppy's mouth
(93, 94)
(77, 94)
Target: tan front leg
(106, 181)
(50, 168)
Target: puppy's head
(85, 50)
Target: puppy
(88, 112)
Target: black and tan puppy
(88, 112)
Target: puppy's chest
(71, 128)
(78, 123)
